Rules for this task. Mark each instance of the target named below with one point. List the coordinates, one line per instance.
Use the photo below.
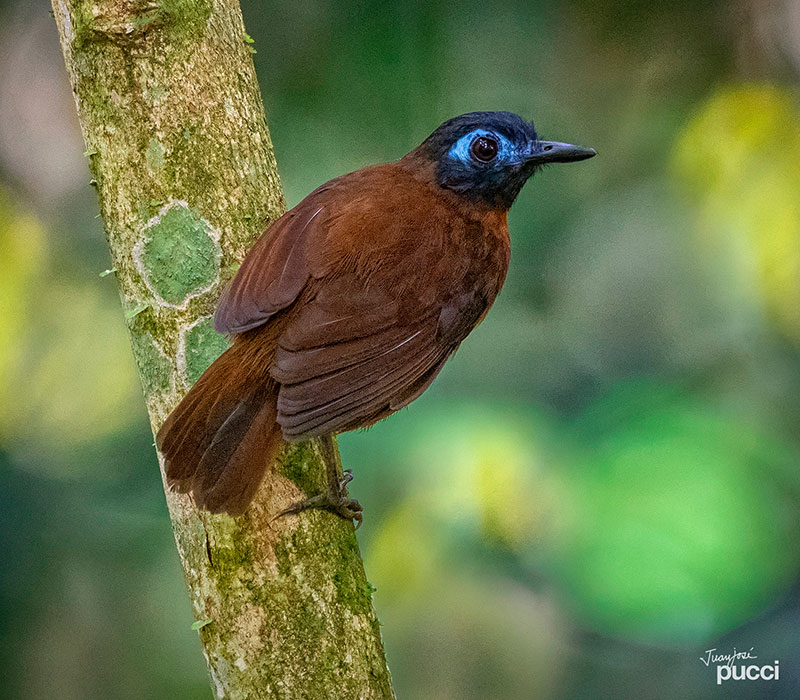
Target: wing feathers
(272, 275)
(350, 396)
(358, 408)
(303, 394)
(295, 366)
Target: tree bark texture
(182, 160)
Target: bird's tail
(219, 441)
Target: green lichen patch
(155, 368)
(300, 465)
(120, 22)
(352, 588)
(179, 255)
(322, 602)
(305, 555)
(200, 346)
(186, 18)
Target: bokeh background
(601, 485)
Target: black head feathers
(488, 156)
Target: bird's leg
(335, 498)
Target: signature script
(727, 659)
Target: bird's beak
(554, 152)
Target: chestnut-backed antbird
(347, 307)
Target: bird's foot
(334, 500)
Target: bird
(347, 307)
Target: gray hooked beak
(555, 152)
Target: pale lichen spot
(154, 155)
(69, 32)
(157, 95)
(219, 687)
(199, 346)
(178, 255)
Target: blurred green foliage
(668, 512)
(602, 483)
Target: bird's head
(488, 156)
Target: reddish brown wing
(278, 266)
(338, 373)
(347, 356)
(275, 270)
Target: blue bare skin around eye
(507, 152)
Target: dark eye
(484, 148)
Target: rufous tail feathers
(221, 438)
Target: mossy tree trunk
(181, 157)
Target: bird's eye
(484, 148)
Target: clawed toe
(335, 499)
(345, 508)
(350, 509)
(347, 477)
(314, 502)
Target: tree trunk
(182, 161)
